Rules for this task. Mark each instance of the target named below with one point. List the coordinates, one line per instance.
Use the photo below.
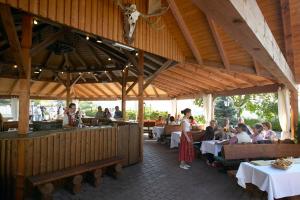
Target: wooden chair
(148, 127)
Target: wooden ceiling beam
(244, 21)
(165, 88)
(287, 32)
(156, 73)
(110, 89)
(55, 88)
(78, 56)
(219, 43)
(250, 90)
(101, 90)
(205, 84)
(155, 91)
(171, 86)
(13, 87)
(131, 86)
(257, 67)
(45, 43)
(185, 31)
(13, 39)
(184, 84)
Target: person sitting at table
(70, 118)
(172, 121)
(242, 136)
(106, 114)
(160, 121)
(186, 149)
(118, 113)
(268, 133)
(257, 133)
(178, 119)
(210, 130)
(1, 122)
(242, 121)
(193, 121)
(99, 114)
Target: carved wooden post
(24, 102)
(294, 113)
(141, 100)
(68, 89)
(124, 96)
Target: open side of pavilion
(75, 50)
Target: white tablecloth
(210, 146)
(278, 183)
(175, 139)
(158, 131)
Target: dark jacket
(209, 133)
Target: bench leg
(118, 170)
(46, 191)
(97, 174)
(76, 184)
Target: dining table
(211, 146)
(158, 131)
(175, 139)
(278, 183)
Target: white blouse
(186, 126)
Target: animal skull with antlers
(131, 15)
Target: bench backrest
(150, 123)
(172, 128)
(253, 151)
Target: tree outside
(224, 108)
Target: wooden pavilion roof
(191, 56)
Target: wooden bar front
(49, 151)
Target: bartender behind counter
(71, 118)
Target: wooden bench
(233, 154)
(44, 182)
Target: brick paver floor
(160, 178)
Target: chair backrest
(256, 151)
(172, 128)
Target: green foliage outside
(150, 114)
(224, 108)
(131, 114)
(4, 102)
(88, 108)
(200, 119)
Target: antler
(119, 3)
(162, 11)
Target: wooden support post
(24, 102)
(141, 100)
(68, 89)
(124, 94)
(294, 113)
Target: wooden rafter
(250, 90)
(78, 56)
(114, 77)
(185, 31)
(13, 87)
(197, 81)
(110, 89)
(287, 31)
(131, 86)
(101, 90)
(157, 72)
(219, 43)
(155, 91)
(48, 41)
(94, 55)
(244, 21)
(13, 39)
(180, 83)
(55, 89)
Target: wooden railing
(52, 151)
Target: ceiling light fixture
(87, 37)
(35, 22)
(136, 54)
(99, 41)
(109, 59)
(15, 66)
(40, 70)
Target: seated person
(268, 133)
(193, 121)
(99, 114)
(160, 121)
(118, 113)
(210, 130)
(258, 133)
(172, 121)
(241, 136)
(242, 121)
(70, 118)
(106, 114)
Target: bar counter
(48, 151)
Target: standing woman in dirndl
(186, 149)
